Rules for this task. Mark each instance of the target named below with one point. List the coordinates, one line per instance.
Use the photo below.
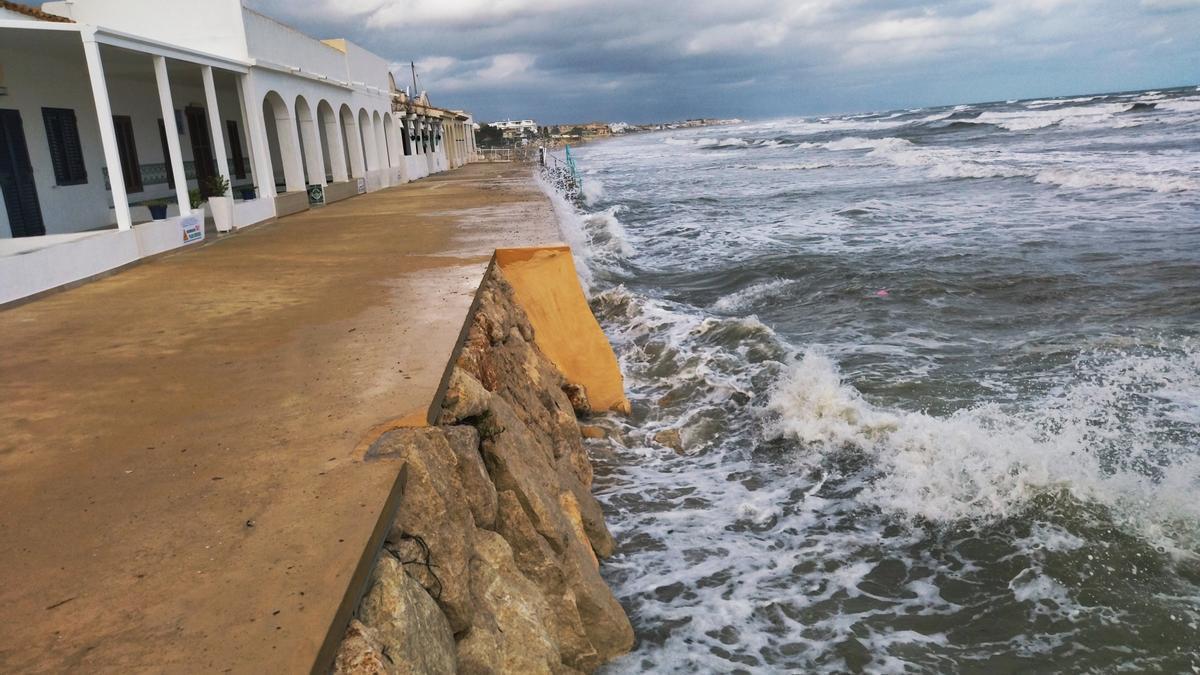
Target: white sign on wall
(362, 186)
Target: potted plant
(220, 205)
(158, 208)
(246, 192)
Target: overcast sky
(647, 60)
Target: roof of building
(33, 12)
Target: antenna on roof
(414, 74)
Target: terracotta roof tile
(33, 12)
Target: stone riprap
(497, 523)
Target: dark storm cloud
(644, 60)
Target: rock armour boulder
(497, 529)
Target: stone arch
(352, 141)
(283, 143)
(389, 135)
(331, 140)
(310, 143)
(367, 132)
(380, 140)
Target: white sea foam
(1183, 105)
(989, 462)
(951, 163)
(751, 294)
(592, 190)
(1158, 182)
(808, 166)
(573, 231)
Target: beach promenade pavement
(181, 483)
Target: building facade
(112, 111)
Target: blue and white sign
(192, 226)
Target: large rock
(465, 398)
(361, 653)
(411, 630)
(472, 474)
(511, 633)
(538, 560)
(500, 354)
(549, 547)
(436, 518)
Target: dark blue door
(16, 178)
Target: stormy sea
(913, 391)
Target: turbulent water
(936, 376)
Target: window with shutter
(235, 147)
(66, 153)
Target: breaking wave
(1097, 440)
(950, 164)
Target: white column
(337, 158)
(389, 139)
(398, 152)
(214, 124)
(168, 113)
(353, 137)
(462, 143)
(430, 150)
(314, 154)
(458, 144)
(289, 148)
(370, 143)
(381, 149)
(256, 136)
(108, 134)
(415, 120)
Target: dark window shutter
(66, 152)
(235, 146)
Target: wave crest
(1098, 440)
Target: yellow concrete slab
(179, 489)
(545, 283)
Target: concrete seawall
(182, 449)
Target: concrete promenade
(180, 488)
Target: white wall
(57, 78)
(278, 44)
(211, 26)
(364, 66)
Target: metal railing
(560, 172)
(521, 154)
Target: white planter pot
(221, 209)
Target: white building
(516, 128)
(106, 104)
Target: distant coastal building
(113, 111)
(516, 128)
